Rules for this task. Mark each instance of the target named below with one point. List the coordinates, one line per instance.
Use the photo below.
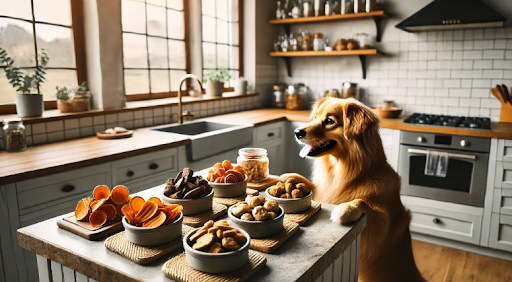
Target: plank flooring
(442, 264)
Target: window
(221, 37)
(27, 27)
(154, 49)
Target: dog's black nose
(300, 133)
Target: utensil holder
(506, 113)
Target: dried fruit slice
(136, 203)
(101, 192)
(110, 210)
(147, 211)
(97, 204)
(120, 194)
(240, 169)
(129, 214)
(98, 218)
(220, 172)
(239, 175)
(82, 210)
(157, 220)
(173, 214)
(218, 165)
(227, 165)
(89, 201)
(220, 179)
(230, 179)
(156, 200)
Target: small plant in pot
(215, 80)
(73, 100)
(28, 103)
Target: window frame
(77, 31)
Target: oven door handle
(424, 152)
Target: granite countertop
(67, 155)
(303, 257)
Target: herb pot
(214, 88)
(29, 105)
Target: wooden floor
(442, 264)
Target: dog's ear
(315, 107)
(356, 119)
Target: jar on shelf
(365, 40)
(349, 90)
(14, 135)
(294, 98)
(347, 7)
(318, 42)
(278, 96)
(255, 162)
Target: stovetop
(481, 123)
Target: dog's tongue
(305, 151)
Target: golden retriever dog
(351, 171)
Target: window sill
(55, 115)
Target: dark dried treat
(169, 181)
(187, 186)
(193, 193)
(188, 174)
(179, 184)
(178, 176)
(169, 190)
(177, 195)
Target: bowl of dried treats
(216, 247)
(292, 196)
(227, 180)
(259, 217)
(192, 192)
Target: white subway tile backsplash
(481, 83)
(53, 126)
(480, 92)
(463, 92)
(491, 103)
(71, 123)
(55, 136)
(473, 54)
(494, 54)
(500, 44)
(72, 133)
(112, 118)
(28, 130)
(38, 128)
(98, 120)
(85, 121)
(158, 112)
(138, 123)
(483, 64)
(478, 34)
(86, 131)
(39, 138)
(492, 74)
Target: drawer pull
(130, 173)
(153, 166)
(270, 134)
(68, 188)
(437, 221)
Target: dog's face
(336, 123)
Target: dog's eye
(328, 121)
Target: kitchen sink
(210, 138)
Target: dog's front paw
(283, 177)
(346, 213)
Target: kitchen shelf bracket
(288, 62)
(362, 58)
(378, 25)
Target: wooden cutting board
(86, 230)
(271, 180)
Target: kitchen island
(319, 249)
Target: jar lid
(279, 87)
(12, 120)
(318, 35)
(252, 152)
(349, 84)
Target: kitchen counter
(303, 257)
(67, 155)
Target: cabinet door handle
(270, 134)
(130, 173)
(153, 166)
(437, 220)
(68, 188)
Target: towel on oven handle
(436, 164)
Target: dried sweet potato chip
(156, 200)
(173, 214)
(82, 210)
(120, 194)
(136, 203)
(220, 172)
(147, 211)
(97, 204)
(101, 192)
(130, 215)
(227, 165)
(98, 218)
(230, 179)
(110, 210)
(218, 165)
(157, 220)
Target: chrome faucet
(182, 114)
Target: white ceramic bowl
(192, 206)
(216, 263)
(292, 205)
(153, 236)
(259, 229)
(229, 190)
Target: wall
(444, 72)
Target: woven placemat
(269, 245)
(234, 200)
(302, 217)
(177, 269)
(141, 254)
(197, 220)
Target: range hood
(453, 14)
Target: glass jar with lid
(14, 135)
(318, 42)
(255, 163)
(278, 96)
(349, 90)
(294, 97)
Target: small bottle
(327, 8)
(285, 44)
(14, 134)
(295, 11)
(255, 162)
(318, 42)
(278, 10)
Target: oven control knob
(421, 139)
(464, 143)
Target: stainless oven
(466, 175)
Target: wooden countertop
(67, 155)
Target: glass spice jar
(294, 98)
(255, 162)
(14, 134)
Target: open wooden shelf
(361, 53)
(353, 16)
(325, 53)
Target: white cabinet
(501, 232)
(272, 137)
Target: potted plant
(28, 104)
(73, 100)
(215, 80)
